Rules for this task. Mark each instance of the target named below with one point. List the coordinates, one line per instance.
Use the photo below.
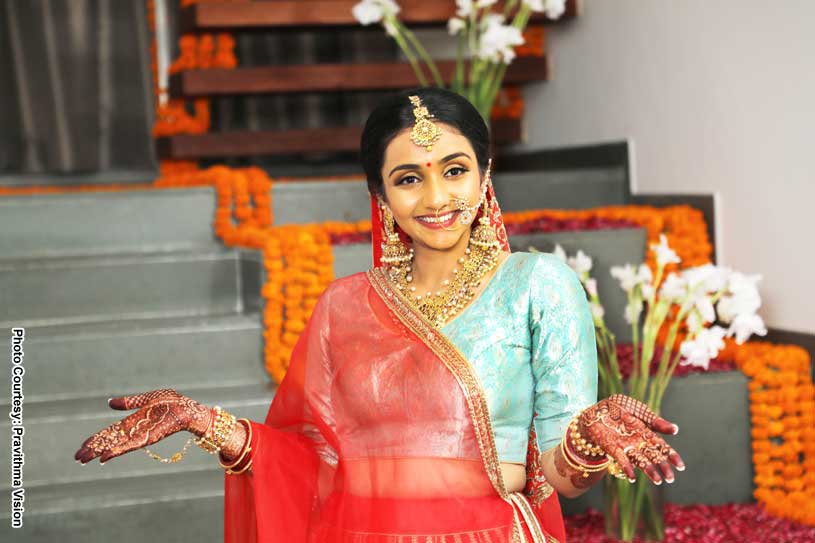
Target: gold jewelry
(581, 444)
(394, 252)
(221, 429)
(425, 132)
(615, 469)
(463, 205)
(172, 459)
(247, 448)
(442, 305)
(484, 234)
(579, 466)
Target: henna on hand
(160, 413)
(624, 428)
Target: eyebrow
(448, 158)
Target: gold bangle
(222, 428)
(244, 468)
(585, 470)
(247, 447)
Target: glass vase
(634, 510)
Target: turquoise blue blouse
(529, 336)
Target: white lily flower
(633, 311)
(705, 308)
(480, 4)
(665, 255)
(705, 346)
(646, 290)
(707, 276)
(498, 40)
(581, 263)
(644, 274)
(742, 297)
(559, 252)
(744, 325)
(464, 8)
(694, 322)
(591, 286)
(626, 275)
(674, 288)
(373, 11)
(553, 8)
(455, 25)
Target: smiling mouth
(442, 219)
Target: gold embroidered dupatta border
(474, 394)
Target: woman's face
(418, 183)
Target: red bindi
(428, 164)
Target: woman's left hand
(624, 428)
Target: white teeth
(442, 218)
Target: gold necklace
(441, 306)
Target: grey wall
(716, 97)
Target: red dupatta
(380, 431)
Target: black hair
(395, 113)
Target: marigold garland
(782, 413)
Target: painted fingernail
(658, 482)
(676, 429)
(681, 467)
(669, 481)
(630, 480)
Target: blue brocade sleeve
(564, 349)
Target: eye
(408, 180)
(456, 171)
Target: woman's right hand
(160, 413)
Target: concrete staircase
(127, 292)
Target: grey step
(54, 430)
(79, 360)
(107, 222)
(713, 414)
(606, 247)
(181, 219)
(562, 189)
(130, 285)
(172, 507)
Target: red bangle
(576, 454)
(244, 456)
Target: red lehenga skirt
(380, 432)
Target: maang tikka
(425, 132)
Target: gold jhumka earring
(394, 252)
(484, 234)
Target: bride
(449, 393)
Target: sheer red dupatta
(379, 432)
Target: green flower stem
(458, 78)
(494, 87)
(663, 376)
(434, 71)
(403, 45)
(509, 5)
